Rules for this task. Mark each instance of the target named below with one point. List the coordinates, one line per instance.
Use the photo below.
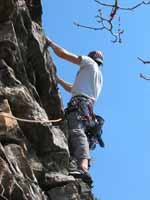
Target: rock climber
(85, 90)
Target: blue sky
(121, 171)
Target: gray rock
(67, 192)
(57, 179)
(6, 9)
(34, 155)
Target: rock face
(34, 154)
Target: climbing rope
(30, 120)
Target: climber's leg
(79, 147)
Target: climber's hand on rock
(58, 79)
(48, 42)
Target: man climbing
(85, 90)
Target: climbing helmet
(97, 56)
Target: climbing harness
(93, 123)
(81, 104)
(30, 120)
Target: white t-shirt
(88, 80)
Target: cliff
(34, 154)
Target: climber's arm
(64, 84)
(63, 53)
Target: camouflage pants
(78, 141)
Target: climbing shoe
(85, 176)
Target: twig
(88, 27)
(144, 77)
(141, 74)
(143, 61)
(121, 8)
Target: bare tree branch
(143, 61)
(141, 74)
(104, 4)
(121, 8)
(136, 6)
(144, 77)
(88, 27)
(106, 23)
